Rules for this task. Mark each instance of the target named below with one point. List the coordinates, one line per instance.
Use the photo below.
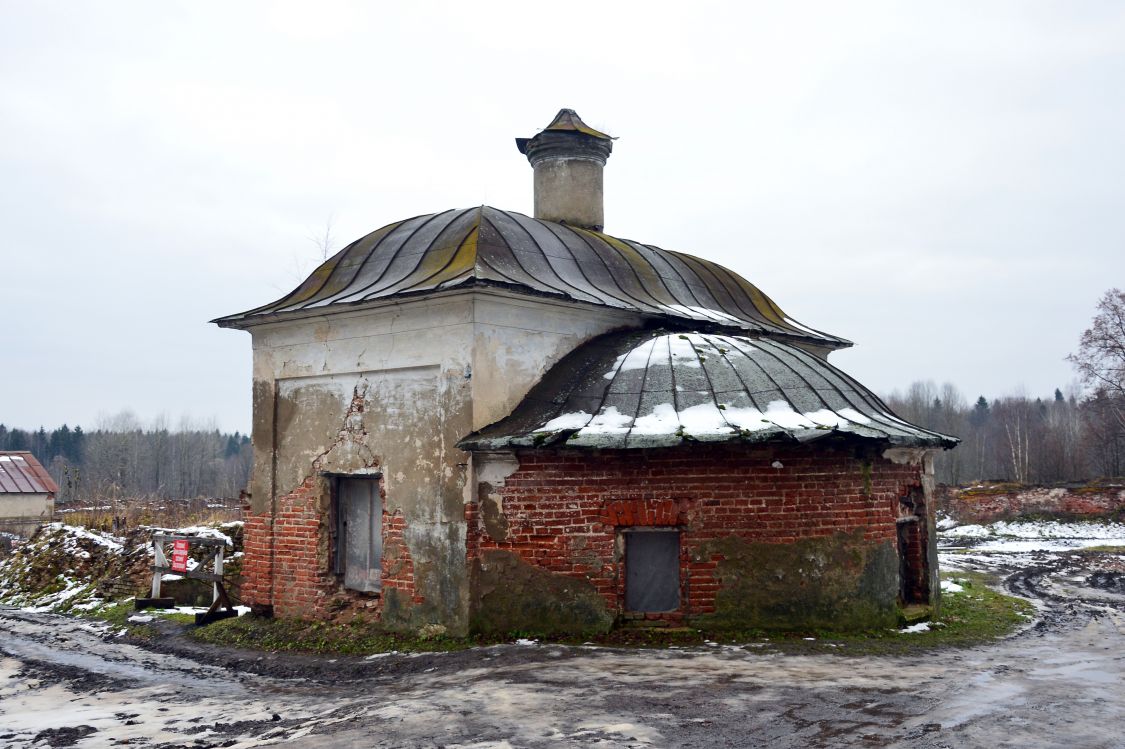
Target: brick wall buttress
(256, 572)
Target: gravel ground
(1058, 683)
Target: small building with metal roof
(27, 493)
(486, 421)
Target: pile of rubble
(71, 568)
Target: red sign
(179, 556)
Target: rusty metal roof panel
(568, 119)
(488, 246)
(21, 473)
(656, 389)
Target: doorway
(359, 533)
(913, 549)
(652, 570)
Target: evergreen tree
(77, 444)
(979, 415)
(18, 440)
(39, 444)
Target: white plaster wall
(396, 385)
(383, 387)
(25, 506)
(399, 422)
(422, 332)
(434, 334)
(517, 339)
(502, 341)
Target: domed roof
(489, 247)
(657, 389)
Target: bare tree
(1100, 358)
(324, 241)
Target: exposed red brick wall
(256, 571)
(987, 504)
(287, 562)
(299, 568)
(398, 567)
(565, 508)
(912, 545)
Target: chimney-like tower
(568, 157)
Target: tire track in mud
(1057, 683)
(1069, 587)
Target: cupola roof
(663, 388)
(489, 247)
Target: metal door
(652, 571)
(361, 534)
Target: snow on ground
(949, 586)
(1034, 535)
(60, 567)
(203, 531)
(944, 522)
(193, 610)
(74, 532)
(915, 628)
(51, 601)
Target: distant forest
(1016, 438)
(123, 459)
(1012, 438)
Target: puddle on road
(1059, 683)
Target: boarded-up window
(652, 570)
(359, 533)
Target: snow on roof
(656, 389)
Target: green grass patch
(359, 638)
(295, 635)
(975, 616)
(118, 615)
(173, 617)
(114, 613)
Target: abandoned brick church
(482, 421)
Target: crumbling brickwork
(256, 559)
(288, 567)
(992, 502)
(564, 511)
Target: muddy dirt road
(1059, 683)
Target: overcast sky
(943, 183)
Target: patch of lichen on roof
(486, 246)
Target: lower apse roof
(656, 389)
(488, 246)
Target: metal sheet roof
(21, 473)
(568, 121)
(488, 246)
(654, 389)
